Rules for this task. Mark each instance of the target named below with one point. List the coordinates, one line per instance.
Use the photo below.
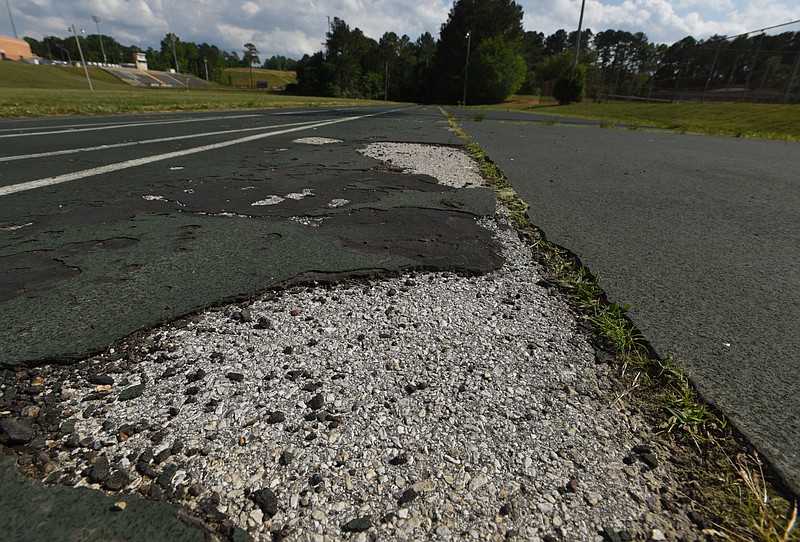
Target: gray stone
(357, 525)
(116, 481)
(18, 430)
(100, 470)
(266, 500)
(132, 392)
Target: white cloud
(662, 20)
(296, 27)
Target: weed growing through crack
(613, 324)
(766, 516)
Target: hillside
(240, 77)
(22, 75)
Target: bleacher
(152, 78)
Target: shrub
(570, 87)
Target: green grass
(17, 75)
(35, 91)
(39, 102)
(240, 77)
(740, 120)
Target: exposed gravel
(427, 406)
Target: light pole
(97, 20)
(205, 62)
(80, 51)
(69, 56)
(578, 39)
(466, 68)
(10, 16)
(174, 53)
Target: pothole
(316, 140)
(449, 165)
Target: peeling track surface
(90, 260)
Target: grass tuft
(770, 121)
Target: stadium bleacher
(153, 78)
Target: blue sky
(295, 27)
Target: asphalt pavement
(110, 225)
(113, 225)
(699, 234)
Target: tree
(170, 52)
(420, 80)
(556, 43)
(481, 19)
(280, 62)
(497, 71)
(314, 76)
(213, 60)
(350, 55)
(570, 86)
(250, 56)
(551, 67)
(390, 49)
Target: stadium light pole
(97, 20)
(174, 52)
(80, 51)
(10, 16)
(578, 39)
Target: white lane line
(49, 181)
(75, 128)
(146, 142)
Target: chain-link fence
(761, 67)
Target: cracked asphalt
(111, 225)
(84, 262)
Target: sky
(293, 28)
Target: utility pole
(752, 68)
(713, 67)
(578, 39)
(792, 75)
(80, 51)
(466, 68)
(97, 20)
(205, 62)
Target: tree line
(192, 58)
(483, 55)
(503, 59)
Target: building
(11, 49)
(141, 61)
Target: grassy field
(35, 91)
(740, 120)
(240, 77)
(32, 91)
(16, 75)
(42, 103)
